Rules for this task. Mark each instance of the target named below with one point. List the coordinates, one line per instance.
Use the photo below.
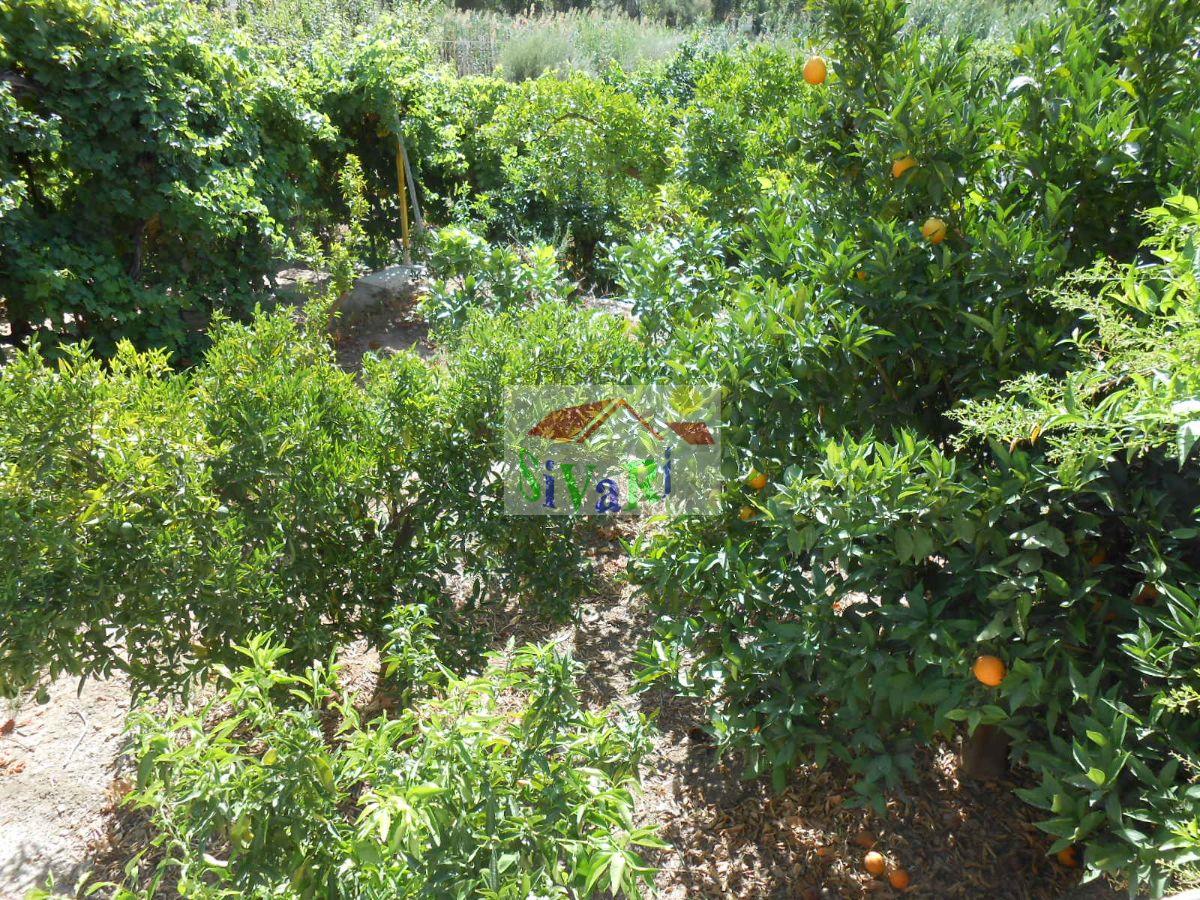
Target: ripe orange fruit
(861, 275)
(815, 70)
(1099, 558)
(757, 480)
(865, 839)
(874, 863)
(1069, 857)
(990, 670)
(899, 879)
(902, 165)
(1147, 596)
(934, 230)
(746, 513)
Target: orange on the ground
(899, 879)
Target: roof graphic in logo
(576, 424)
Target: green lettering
(573, 489)
(641, 482)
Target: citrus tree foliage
(1139, 394)
(960, 458)
(381, 86)
(843, 620)
(149, 519)
(170, 513)
(475, 274)
(574, 154)
(539, 557)
(498, 785)
(837, 612)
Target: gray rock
(391, 286)
(292, 285)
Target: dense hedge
(149, 176)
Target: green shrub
(383, 84)
(674, 278)
(149, 177)
(575, 153)
(266, 488)
(540, 559)
(473, 274)
(843, 622)
(177, 513)
(959, 461)
(498, 785)
(290, 29)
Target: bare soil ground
(731, 838)
(56, 766)
(387, 329)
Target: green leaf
(616, 872)
(994, 628)
(1186, 439)
(1043, 536)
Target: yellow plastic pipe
(400, 177)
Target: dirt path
(56, 766)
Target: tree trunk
(985, 754)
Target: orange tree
(574, 155)
(892, 548)
(179, 513)
(176, 512)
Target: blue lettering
(549, 503)
(610, 496)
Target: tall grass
(994, 20)
(294, 27)
(527, 45)
(478, 42)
